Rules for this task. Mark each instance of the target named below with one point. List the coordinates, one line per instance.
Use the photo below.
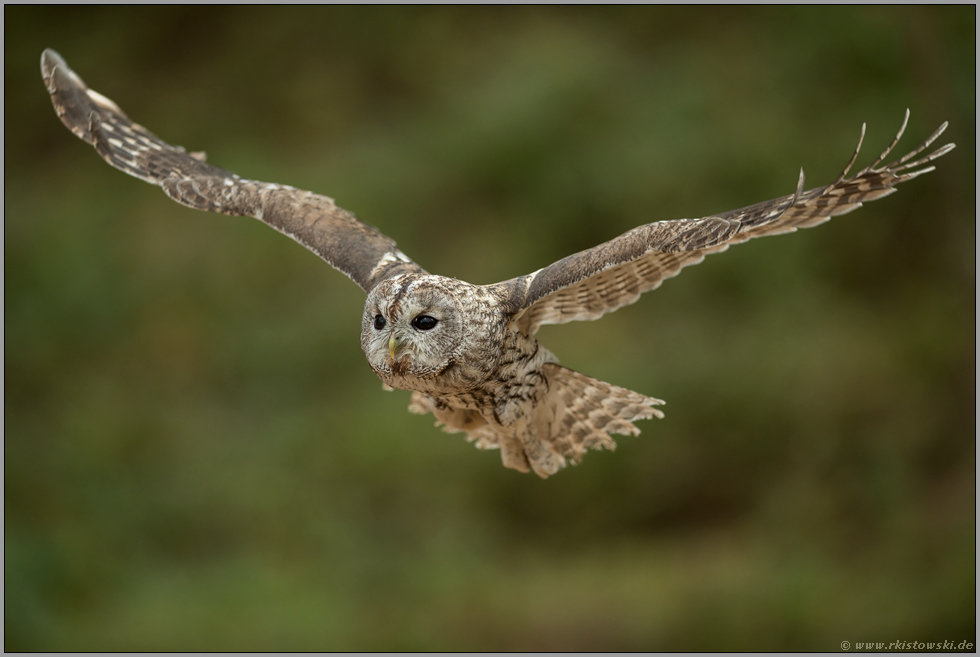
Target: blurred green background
(197, 456)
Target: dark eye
(379, 322)
(424, 322)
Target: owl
(468, 352)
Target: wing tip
(53, 67)
(799, 187)
(50, 59)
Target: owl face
(412, 330)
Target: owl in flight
(468, 352)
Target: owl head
(414, 329)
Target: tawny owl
(468, 352)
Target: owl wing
(358, 250)
(591, 283)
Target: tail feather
(580, 412)
(576, 414)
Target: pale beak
(393, 346)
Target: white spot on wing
(385, 259)
(98, 98)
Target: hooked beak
(393, 346)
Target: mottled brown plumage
(468, 352)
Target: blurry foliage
(197, 456)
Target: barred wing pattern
(358, 250)
(591, 283)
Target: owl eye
(424, 322)
(379, 322)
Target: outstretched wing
(591, 283)
(336, 235)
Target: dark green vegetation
(197, 455)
